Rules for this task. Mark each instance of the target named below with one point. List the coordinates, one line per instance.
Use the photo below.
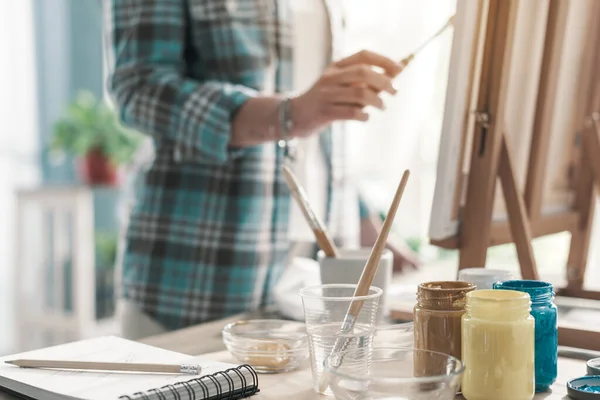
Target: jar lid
(474, 273)
(584, 388)
(593, 366)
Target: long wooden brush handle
(192, 369)
(364, 283)
(366, 278)
(407, 60)
(323, 239)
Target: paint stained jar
(498, 346)
(437, 320)
(545, 314)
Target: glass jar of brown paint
(437, 320)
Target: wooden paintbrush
(407, 60)
(323, 240)
(366, 278)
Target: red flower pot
(96, 169)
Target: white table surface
(297, 385)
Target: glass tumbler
(325, 310)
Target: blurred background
(62, 203)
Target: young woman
(227, 90)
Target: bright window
(19, 139)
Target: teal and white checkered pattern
(207, 234)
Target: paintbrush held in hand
(323, 240)
(407, 60)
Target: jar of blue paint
(544, 312)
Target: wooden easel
(591, 141)
(490, 158)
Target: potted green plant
(91, 131)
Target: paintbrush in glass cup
(365, 281)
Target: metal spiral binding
(158, 392)
(217, 386)
(188, 389)
(255, 388)
(173, 390)
(202, 385)
(232, 393)
(144, 396)
(242, 378)
(230, 385)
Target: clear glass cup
(391, 374)
(325, 311)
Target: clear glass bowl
(389, 373)
(395, 335)
(268, 345)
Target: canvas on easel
(552, 30)
(464, 73)
(546, 65)
(511, 165)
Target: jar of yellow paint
(498, 346)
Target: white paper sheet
(100, 385)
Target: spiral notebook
(217, 380)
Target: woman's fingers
(391, 67)
(342, 112)
(347, 87)
(360, 96)
(360, 75)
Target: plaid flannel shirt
(207, 232)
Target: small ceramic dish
(593, 366)
(268, 345)
(584, 388)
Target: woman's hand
(343, 91)
(341, 94)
